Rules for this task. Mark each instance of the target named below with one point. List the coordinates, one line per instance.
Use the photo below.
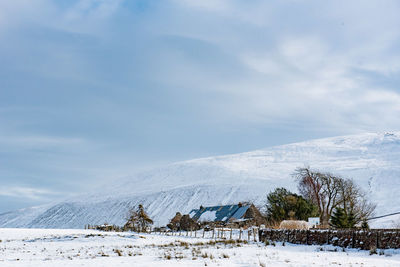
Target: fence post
(248, 235)
(377, 239)
(327, 237)
(294, 237)
(240, 234)
(231, 233)
(213, 233)
(203, 232)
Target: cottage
(240, 214)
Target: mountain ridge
(371, 159)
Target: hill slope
(373, 160)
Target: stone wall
(362, 239)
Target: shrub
(283, 205)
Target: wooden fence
(362, 239)
(251, 234)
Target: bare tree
(138, 220)
(330, 188)
(328, 192)
(354, 201)
(320, 188)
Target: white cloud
(26, 192)
(213, 5)
(90, 11)
(41, 141)
(315, 55)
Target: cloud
(270, 65)
(93, 9)
(39, 141)
(317, 77)
(26, 193)
(96, 89)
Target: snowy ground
(54, 247)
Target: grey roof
(240, 212)
(222, 213)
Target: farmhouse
(240, 214)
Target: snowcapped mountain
(372, 160)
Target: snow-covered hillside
(373, 160)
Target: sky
(93, 90)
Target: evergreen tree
(351, 220)
(338, 218)
(341, 219)
(283, 205)
(364, 225)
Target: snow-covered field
(55, 247)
